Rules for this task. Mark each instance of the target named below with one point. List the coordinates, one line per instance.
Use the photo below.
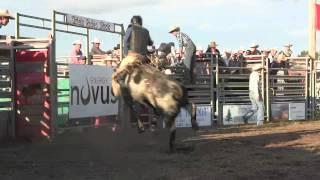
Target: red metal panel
(31, 78)
(31, 56)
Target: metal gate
(290, 84)
(233, 86)
(7, 89)
(61, 22)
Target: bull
(138, 82)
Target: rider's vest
(139, 40)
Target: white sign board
(183, 119)
(90, 91)
(203, 115)
(234, 114)
(297, 111)
(90, 23)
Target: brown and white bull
(137, 81)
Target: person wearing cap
(5, 17)
(137, 38)
(287, 50)
(255, 94)
(253, 50)
(95, 50)
(76, 54)
(189, 52)
(235, 62)
(199, 52)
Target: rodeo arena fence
(42, 94)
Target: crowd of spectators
(96, 56)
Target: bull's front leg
(192, 109)
(172, 139)
(132, 110)
(135, 111)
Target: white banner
(183, 119)
(90, 91)
(234, 114)
(297, 111)
(203, 117)
(90, 23)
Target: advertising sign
(90, 91)
(90, 23)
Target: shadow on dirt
(248, 153)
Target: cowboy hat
(257, 67)
(96, 40)
(288, 45)
(254, 45)
(5, 13)
(213, 44)
(228, 51)
(174, 28)
(267, 50)
(77, 42)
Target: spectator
(255, 94)
(116, 51)
(76, 54)
(227, 57)
(273, 54)
(189, 52)
(253, 50)
(287, 50)
(5, 17)
(214, 51)
(137, 38)
(212, 48)
(95, 50)
(167, 51)
(165, 48)
(266, 54)
(235, 62)
(199, 52)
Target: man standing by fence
(5, 17)
(255, 94)
(189, 54)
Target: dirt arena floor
(274, 151)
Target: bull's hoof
(195, 127)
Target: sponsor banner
(183, 119)
(90, 91)
(90, 23)
(234, 114)
(203, 117)
(279, 112)
(297, 111)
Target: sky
(231, 23)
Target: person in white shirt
(227, 57)
(255, 94)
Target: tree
(229, 117)
(305, 53)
